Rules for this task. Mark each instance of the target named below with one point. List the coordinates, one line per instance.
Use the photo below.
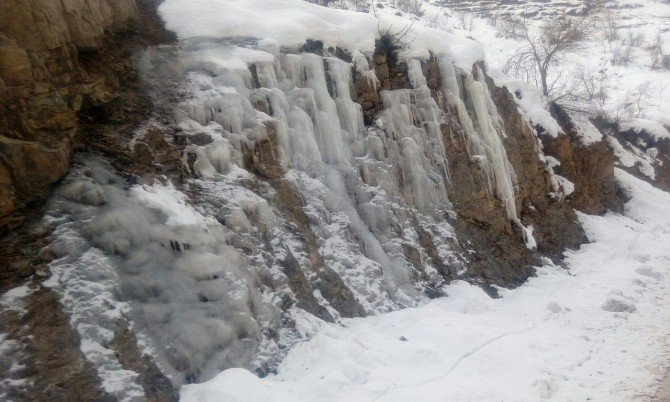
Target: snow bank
(532, 104)
(655, 129)
(292, 22)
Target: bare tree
(545, 47)
(465, 20)
(588, 93)
(410, 6)
(438, 21)
(655, 49)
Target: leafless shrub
(356, 5)
(611, 30)
(621, 55)
(409, 6)
(633, 38)
(545, 48)
(324, 3)
(493, 19)
(437, 21)
(360, 5)
(655, 49)
(635, 105)
(396, 40)
(588, 93)
(464, 20)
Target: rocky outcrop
(643, 151)
(326, 186)
(68, 81)
(46, 79)
(497, 253)
(590, 167)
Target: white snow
(624, 83)
(532, 104)
(587, 133)
(654, 128)
(596, 331)
(292, 22)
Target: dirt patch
(52, 363)
(157, 387)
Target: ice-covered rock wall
(320, 188)
(321, 183)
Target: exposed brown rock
(329, 283)
(61, 64)
(641, 141)
(52, 360)
(590, 168)
(44, 84)
(157, 387)
(262, 158)
(497, 252)
(392, 74)
(555, 223)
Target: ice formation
(483, 129)
(145, 247)
(324, 230)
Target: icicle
(483, 131)
(295, 131)
(363, 67)
(490, 105)
(306, 70)
(495, 150)
(267, 76)
(395, 274)
(449, 80)
(350, 112)
(403, 109)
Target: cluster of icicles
(317, 128)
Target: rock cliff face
(587, 164)
(325, 183)
(46, 79)
(269, 190)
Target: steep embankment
(295, 172)
(68, 82)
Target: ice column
(307, 71)
(412, 119)
(483, 131)
(350, 112)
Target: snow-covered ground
(597, 330)
(639, 21)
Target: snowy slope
(596, 331)
(649, 88)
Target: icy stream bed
(597, 330)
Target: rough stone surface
(642, 143)
(45, 81)
(590, 168)
(68, 82)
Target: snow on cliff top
(291, 22)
